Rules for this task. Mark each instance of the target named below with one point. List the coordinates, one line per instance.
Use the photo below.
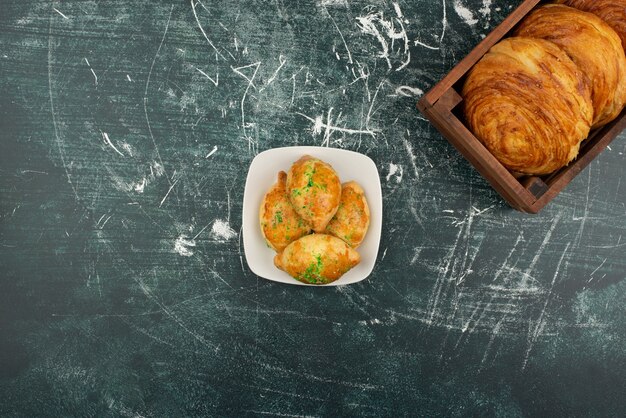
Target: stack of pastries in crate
(535, 96)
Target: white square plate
(262, 175)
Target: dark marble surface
(126, 130)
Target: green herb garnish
(313, 273)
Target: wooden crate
(441, 105)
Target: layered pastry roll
(612, 12)
(593, 45)
(529, 104)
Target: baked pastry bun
(612, 12)
(529, 104)
(314, 190)
(593, 45)
(280, 224)
(352, 219)
(317, 259)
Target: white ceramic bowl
(262, 175)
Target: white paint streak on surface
(213, 151)
(409, 150)
(395, 171)
(119, 182)
(464, 13)
(221, 231)
(157, 169)
(542, 247)
(168, 193)
(250, 80)
(100, 220)
(485, 11)
(343, 39)
(201, 231)
(215, 80)
(56, 10)
(318, 125)
(53, 112)
(140, 186)
(92, 71)
(183, 246)
(127, 147)
(407, 91)
(478, 212)
(145, 94)
(444, 23)
(324, 3)
(533, 335)
(494, 334)
(194, 3)
(105, 136)
(420, 43)
(281, 62)
(368, 117)
(105, 221)
(386, 32)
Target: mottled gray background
(127, 128)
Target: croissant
(592, 45)
(529, 104)
(612, 12)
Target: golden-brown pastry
(529, 104)
(612, 12)
(317, 259)
(352, 219)
(280, 224)
(593, 45)
(314, 190)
